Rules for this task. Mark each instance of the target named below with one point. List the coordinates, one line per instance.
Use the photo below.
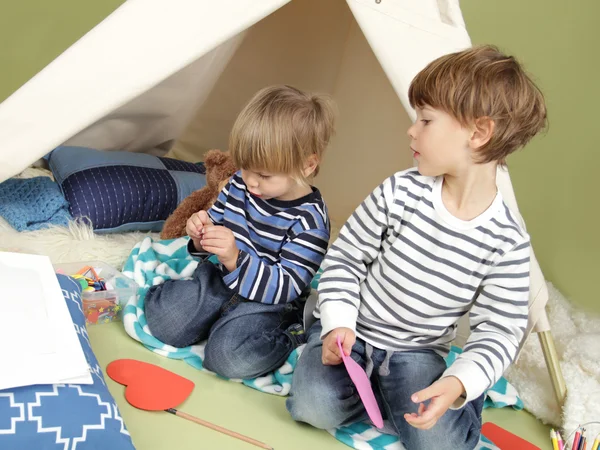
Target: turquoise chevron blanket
(153, 262)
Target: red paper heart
(149, 387)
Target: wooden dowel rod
(212, 426)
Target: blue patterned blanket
(30, 204)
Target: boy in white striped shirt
(426, 247)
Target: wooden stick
(212, 426)
(553, 366)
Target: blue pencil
(576, 439)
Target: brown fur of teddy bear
(219, 169)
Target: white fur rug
(577, 336)
(77, 243)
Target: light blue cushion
(64, 416)
(123, 191)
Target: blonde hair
(479, 83)
(280, 129)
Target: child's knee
(222, 359)
(315, 403)
(166, 327)
(319, 393)
(456, 429)
(177, 315)
(230, 358)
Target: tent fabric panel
(139, 45)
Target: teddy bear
(219, 169)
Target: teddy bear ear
(214, 158)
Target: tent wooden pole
(553, 365)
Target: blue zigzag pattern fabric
(153, 262)
(64, 416)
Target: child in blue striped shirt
(269, 229)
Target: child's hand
(443, 393)
(195, 225)
(220, 241)
(331, 352)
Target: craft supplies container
(101, 306)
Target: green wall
(556, 176)
(34, 32)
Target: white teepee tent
(156, 71)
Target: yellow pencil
(596, 443)
(553, 438)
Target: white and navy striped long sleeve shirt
(281, 243)
(404, 270)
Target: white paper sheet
(38, 342)
(22, 302)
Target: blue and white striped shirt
(281, 243)
(404, 270)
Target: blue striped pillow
(123, 191)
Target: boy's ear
(483, 130)
(310, 165)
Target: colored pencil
(576, 439)
(561, 444)
(553, 439)
(596, 443)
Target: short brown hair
(280, 128)
(482, 82)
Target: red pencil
(576, 439)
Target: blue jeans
(325, 397)
(245, 339)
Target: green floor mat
(237, 407)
